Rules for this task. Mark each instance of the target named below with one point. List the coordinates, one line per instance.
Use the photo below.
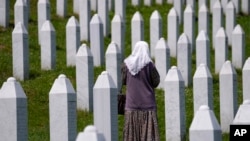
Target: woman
(141, 77)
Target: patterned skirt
(140, 126)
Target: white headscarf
(139, 57)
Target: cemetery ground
(40, 82)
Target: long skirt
(140, 126)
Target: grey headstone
(221, 49)
(105, 106)
(84, 78)
(212, 2)
(173, 32)
(201, 2)
(94, 5)
(72, 40)
(76, 6)
(203, 19)
(246, 79)
(189, 27)
(103, 12)
(192, 3)
(155, 31)
(179, 10)
(14, 112)
(61, 8)
(137, 28)
(48, 46)
(21, 12)
(97, 40)
(205, 126)
(184, 59)
(245, 7)
(136, 2)
(175, 112)
(113, 63)
(5, 11)
(238, 47)
(120, 8)
(218, 19)
(162, 60)
(243, 114)
(43, 14)
(20, 52)
(228, 95)
(62, 110)
(224, 4)
(202, 49)
(118, 33)
(230, 21)
(90, 133)
(202, 87)
(84, 18)
(237, 5)
(148, 2)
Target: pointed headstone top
(104, 80)
(247, 64)
(203, 8)
(230, 5)
(91, 129)
(172, 12)
(96, 19)
(189, 9)
(183, 39)
(217, 4)
(72, 22)
(246, 102)
(174, 74)
(221, 33)
(204, 108)
(20, 28)
(137, 16)
(62, 85)
(202, 36)
(113, 48)
(84, 51)
(12, 89)
(155, 15)
(47, 26)
(227, 68)
(161, 44)
(202, 71)
(238, 30)
(117, 18)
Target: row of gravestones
(63, 102)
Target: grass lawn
(38, 86)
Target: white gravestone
(97, 40)
(228, 95)
(72, 40)
(48, 46)
(84, 78)
(246, 79)
(184, 59)
(201, 2)
(111, 5)
(243, 114)
(230, 21)
(179, 10)
(192, 3)
(103, 12)
(120, 8)
(204, 19)
(202, 49)
(136, 2)
(238, 47)
(84, 18)
(170, 1)
(159, 2)
(20, 52)
(217, 19)
(212, 2)
(90, 133)
(245, 7)
(173, 32)
(205, 126)
(221, 49)
(175, 118)
(105, 106)
(21, 13)
(202, 87)
(237, 5)
(189, 24)
(224, 4)
(148, 2)
(61, 8)
(118, 33)
(14, 112)
(5, 11)
(43, 14)
(162, 60)
(93, 4)
(137, 28)
(155, 31)
(62, 110)
(76, 6)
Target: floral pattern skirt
(141, 126)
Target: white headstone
(97, 40)
(159, 1)
(224, 4)
(202, 87)
(90, 133)
(118, 33)
(136, 2)
(84, 18)
(162, 60)
(237, 5)
(184, 59)
(155, 31)
(61, 8)
(203, 19)
(148, 2)
(245, 7)
(201, 2)
(243, 114)
(72, 40)
(173, 31)
(192, 3)
(113, 63)
(94, 5)
(189, 28)
(5, 11)
(205, 126)
(221, 49)
(137, 28)
(212, 2)
(103, 12)
(20, 52)
(120, 8)
(202, 49)
(246, 79)
(238, 47)
(76, 6)
(48, 46)
(218, 19)
(62, 110)
(228, 95)
(230, 21)
(21, 13)
(179, 10)
(175, 119)
(105, 106)
(14, 112)
(43, 14)
(111, 5)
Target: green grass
(40, 82)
